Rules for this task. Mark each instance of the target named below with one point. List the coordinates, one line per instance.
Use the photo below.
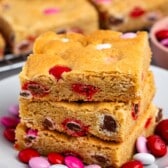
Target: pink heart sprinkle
(51, 11)
(102, 1)
(128, 35)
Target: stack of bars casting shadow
(89, 95)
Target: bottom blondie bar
(90, 149)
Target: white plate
(9, 91)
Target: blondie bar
(111, 121)
(30, 18)
(130, 15)
(102, 66)
(90, 149)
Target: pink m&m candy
(128, 35)
(141, 144)
(73, 162)
(9, 122)
(164, 42)
(51, 11)
(102, 1)
(39, 162)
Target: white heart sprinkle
(103, 46)
(65, 40)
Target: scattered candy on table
(55, 158)
(9, 122)
(151, 151)
(141, 144)
(26, 154)
(73, 162)
(144, 158)
(58, 166)
(162, 130)
(39, 162)
(156, 146)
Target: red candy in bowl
(159, 42)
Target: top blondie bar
(27, 19)
(102, 66)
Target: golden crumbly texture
(114, 73)
(28, 19)
(2, 47)
(116, 14)
(92, 150)
(93, 117)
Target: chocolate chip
(48, 124)
(24, 94)
(101, 159)
(109, 124)
(61, 31)
(159, 115)
(36, 88)
(135, 111)
(80, 101)
(115, 21)
(29, 140)
(24, 45)
(136, 108)
(74, 127)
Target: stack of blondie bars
(87, 95)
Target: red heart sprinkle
(137, 12)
